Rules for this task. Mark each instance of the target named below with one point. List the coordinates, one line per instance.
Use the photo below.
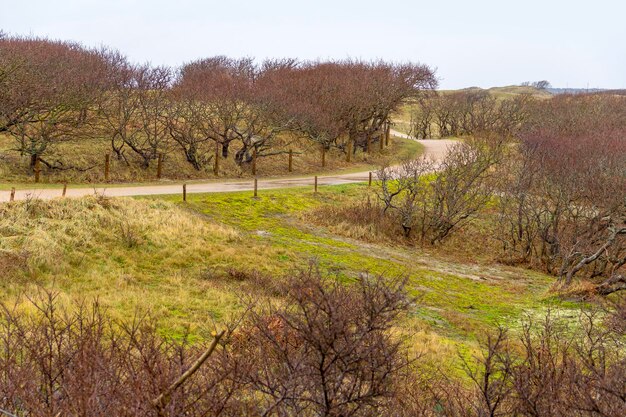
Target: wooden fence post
(216, 164)
(254, 161)
(316, 184)
(184, 192)
(12, 198)
(160, 166)
(107, 167)
(369, 184)
(290, 160)
(37, 169)
(64, 190)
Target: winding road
(434, 149)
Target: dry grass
(145, 255)
(578, 290)
(45, 229)
(361, 219)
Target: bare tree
(340, 102)
(224, 86)
(48, 89)
(423, 117)
(187, 126)
(150, 124)
(462, 187)
(541, 85)
(117, 109)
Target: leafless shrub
(405, 190)
(328, 350)
(435, 203)
(616, 317)
(547, 370)
(57, 362)
(324, 348)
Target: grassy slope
(514, 90)
(188, 264)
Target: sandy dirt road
(434, 149)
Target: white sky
(471, 43)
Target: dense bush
(563, 205)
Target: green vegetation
(484, 278)
(188, 263)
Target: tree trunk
(242, 156)
(615, 283)
(191, 156)
(33, 161)
(225, 146)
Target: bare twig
(161, 401)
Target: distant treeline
(467, 112)
(474, 111)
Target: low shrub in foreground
(324, 348)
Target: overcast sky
(471, 43)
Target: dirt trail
(432, 148)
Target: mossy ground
(188, 264)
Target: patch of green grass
(464, 303)
(188, 264)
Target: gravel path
(432, 148)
